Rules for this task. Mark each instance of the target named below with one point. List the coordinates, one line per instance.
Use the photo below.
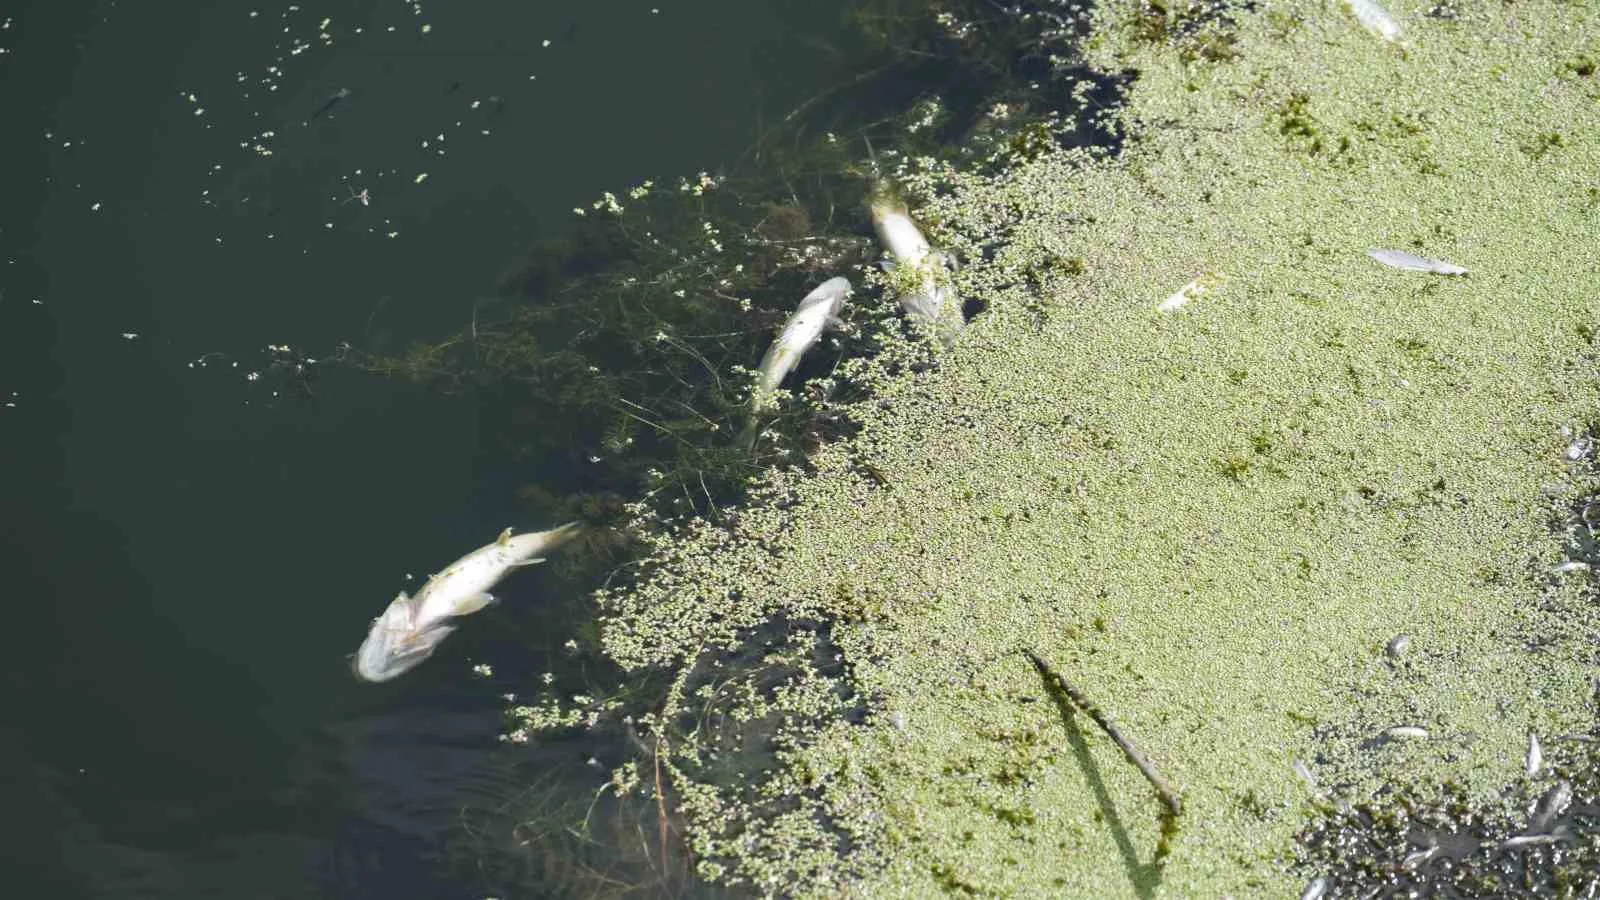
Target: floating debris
(1194, 290)
(1400, 259)
(1375, 19)
(1079, 700)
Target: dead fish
(1534, 758)
(1523, 841)
(1406, 733)
(1194, 290)
(1375, 19)
(1317, 889)
(818, 310)
(411, 628)
(1397, 646)
(921, 272)
(1569, 567)
(1304, 771)
(332, 101)
(1400, 259)
(1554, 802)
(1418, 859)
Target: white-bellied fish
(411, 628)
(818, 310)
(920, 273)
(1375, 19)
(1194, 290)
(1400, 259)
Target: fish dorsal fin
(505, 538)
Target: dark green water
(188, 558)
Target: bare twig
(1164, 788)
(661, 811)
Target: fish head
(389, 653)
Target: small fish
(1304, 771)
(1554, 802)
(410, 628)
(332, 101)
(1375, 19)
(818, 310)
(1397, 646)
(1317, 889)
(1406, 733)
(1418, 858)
(924, 270)
(1569, 567)
(1523, 841)
(1400, 259)
(1194, 290)
(1534, 758)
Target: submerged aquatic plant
(618, 362)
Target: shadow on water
(1144, 877)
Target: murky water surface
(201, 202)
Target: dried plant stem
(1169, 796)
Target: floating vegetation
(1249, 501)
(619, 359)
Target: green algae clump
(1210, 519)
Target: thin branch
(1169, 796)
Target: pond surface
(195, 538)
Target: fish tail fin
(561, 534)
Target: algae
(1212, 520)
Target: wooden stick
(1164, 788)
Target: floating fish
(1194, 290)
(1534, 758)
(1522, 841)
(1406, 733)
(1397, 646)
(1317, 889)
(921, 271)
(1554, 802)
(818, 310)
(1400, 259)
(1375, 19)
(333, 100)
(410, 628)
